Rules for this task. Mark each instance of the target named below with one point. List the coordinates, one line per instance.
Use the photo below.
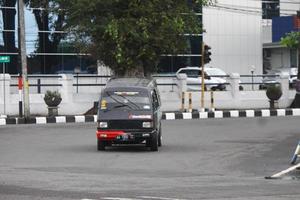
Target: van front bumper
(120, 135)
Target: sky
(30, 31)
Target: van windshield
(112, 100)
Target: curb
(231, 114)
(165, 116)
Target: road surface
(200, 159)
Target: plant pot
(52, 111)
(53, 103)
(273, 104)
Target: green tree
(292, 40)
(130, 35)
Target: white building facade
(233, 30)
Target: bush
(274, 92)
(52, 99)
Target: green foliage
(132, 34)
(274, 92)
(52, 98)
(291, 40)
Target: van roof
(130, 82)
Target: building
(233, 30)
(275, 55)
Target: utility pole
(22, 47)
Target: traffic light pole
(202, 78)
(22, 47)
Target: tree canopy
(292, 40)
(130, 35)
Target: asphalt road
(200, 159)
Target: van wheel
(159, 137)
(154, 142)
(100, 145)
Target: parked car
(129, 113)
(272, 77)
(214, 78)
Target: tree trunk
(9, 39)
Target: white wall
(289, 7)
(235, 37)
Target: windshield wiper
(132, 103)
(120, 102)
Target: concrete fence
(80, 92)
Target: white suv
(211, 82)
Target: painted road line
(278, 175)
(218, 114)
(41, 120)
(203, 115)
(2, 122)
(234, 113)
(60, 119)
(79, 119)
(250, 113)
(118, 198)
(170, 116)
(159, 198)
(187, 115)
(296, 112)
(280, 112)
(265, 113)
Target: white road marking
(170, 116)
(234, 113)
(285, 171)
(60, 119)
(265, 113)
(187, 115)
(280, 112)
(159, 198)
(79, 119)
(218, 114)
(2, 122)
(203, 115)
(250, 113)
(118, 198)
(41, 120)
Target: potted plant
(274, 93)
(52, 99)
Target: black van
(129, 113)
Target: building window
(270, 9)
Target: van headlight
(147, 124)
(102, 125)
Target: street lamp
(252, 75)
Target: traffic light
(207, 54)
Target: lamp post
(252, 75)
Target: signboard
(4, 59)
